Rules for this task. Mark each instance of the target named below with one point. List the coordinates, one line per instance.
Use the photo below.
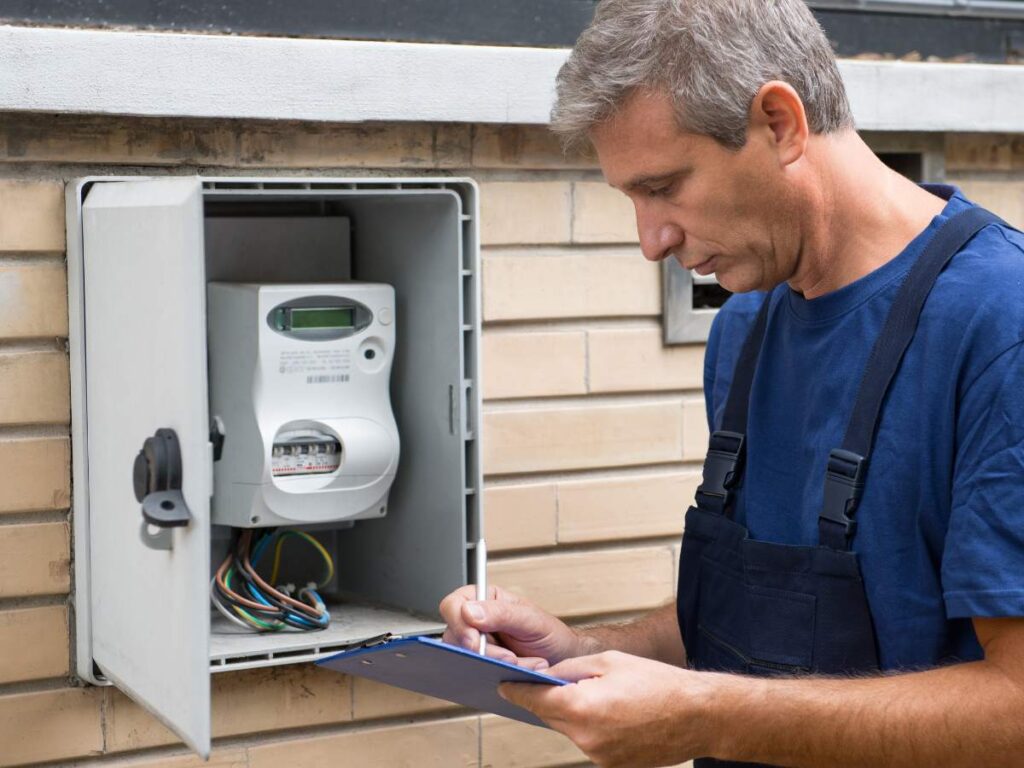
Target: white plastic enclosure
(308, 433)
(141, 252)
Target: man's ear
(777, 112)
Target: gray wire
(224, 611)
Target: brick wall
(593, 430)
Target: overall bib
(758, 608)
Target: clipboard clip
(371, 642)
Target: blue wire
(254, 589)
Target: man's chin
(737, 283)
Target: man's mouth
(705, 267)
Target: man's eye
(663, 191)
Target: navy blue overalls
(758, 608)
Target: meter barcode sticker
(332, 379)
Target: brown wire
(306, 608)
(241, 599)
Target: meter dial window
(320, 318)
(305, 452)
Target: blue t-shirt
(940, 533)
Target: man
(870, 619)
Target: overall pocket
(722, 656)
(749, 628)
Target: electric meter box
(299, 391)
(184, 294)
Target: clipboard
(429, 666)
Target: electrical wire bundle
(245, 598)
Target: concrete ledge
(217, 76)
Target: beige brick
(695, 429)
(219, 758)
(601, 214)
(533, 364)
(373, 700)
(635, 359)
(254, 701)
(444, 744)
(547, 439)
(520, 516)
(984, 152)
(33, 300)
(33, 643)
(561, 283)
(50, 725)
(632, 507)
(318, 146)
(590, 583)
(35, 388)
(1006, 198)
(524, 212)
(35, 474)
(34, 559)
(507, 743)
(523, 146)
(31, 215)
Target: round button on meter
(385, 316)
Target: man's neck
(863, 214)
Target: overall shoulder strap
(847, 466)
(723, 466)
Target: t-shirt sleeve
(983, 561)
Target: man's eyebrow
(648, 181)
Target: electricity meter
(299, 387)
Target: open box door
(145, 351)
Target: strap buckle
(844, 486)
(723, 468)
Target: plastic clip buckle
(722, 469)
(844, 486)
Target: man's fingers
(459, 631)
(464, 637)
(452, 603)
(516, 619)
(495, 651)
(580, 668)
(537, 698)
(536, 663)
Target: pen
(481, 583)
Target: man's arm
(653, 636)
(627, 711)
(966, 714)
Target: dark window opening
(709, 295)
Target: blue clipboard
(428, 666)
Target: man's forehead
(647, 114)
(641, 141)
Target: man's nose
(658, 238)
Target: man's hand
(520, 632)
(623, 710)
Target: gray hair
(710, 56)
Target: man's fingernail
(475, 611)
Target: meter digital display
(322, 317)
